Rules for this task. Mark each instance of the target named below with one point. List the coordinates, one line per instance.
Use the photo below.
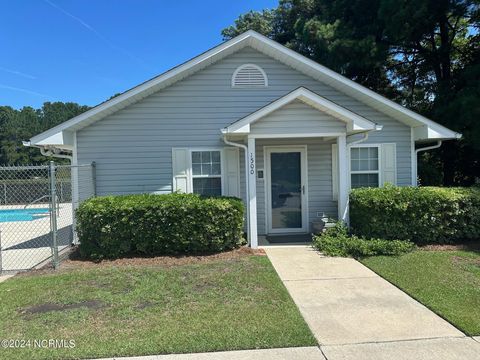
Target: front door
(286, 189)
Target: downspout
(365, 138)
(245, 149)
(436, 146)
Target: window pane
(363, 165)
(197, 169)
(216, 169)
(355, 154)
(373, 164)
(196, 157)
(364, 180)
(216, 156)
(206, 169)
(206, 157)
(355, 165)
(364, 153)
(207, 186)
(373, 153)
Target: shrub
(148, 225)
(336, 241)
(422, 215)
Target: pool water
(22, 214)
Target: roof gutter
(49, 151)
(365, 135)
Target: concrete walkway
(300, 353)
(355, 314)
(5, 277)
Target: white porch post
(252, 195)
(342, 178)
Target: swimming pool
(22, 214)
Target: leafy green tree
(20, 125)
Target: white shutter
(389, 164)
(334, 172)
(232, 172)
(180, 167)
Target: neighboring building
(308, 133)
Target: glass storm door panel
(286, 190)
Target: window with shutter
(210, 172)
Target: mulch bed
(75, 262)
(469, 246)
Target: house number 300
(252, 164)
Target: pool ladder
(44, 197)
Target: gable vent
(249, 75)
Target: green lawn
(238, 303)
(448, 282)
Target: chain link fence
(37, 212)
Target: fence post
(94, 178)
(53, 201)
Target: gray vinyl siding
(319, 178)
(133, 147)
(304, 117)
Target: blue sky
(87, 50)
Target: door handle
(303, 189)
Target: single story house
(253, 119)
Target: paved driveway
(355, 314)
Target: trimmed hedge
(422, 215)
(336, 241)
(149, 225)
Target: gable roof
(426, 127)
(354, 121)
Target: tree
(20, 125)
(421, 53)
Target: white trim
(252, 193)
(333, 149)
(356, 122)
(267, 151)
(293, 135)
(413, 159)
(343, 186)
(237, 70)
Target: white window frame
(222, 170)
(378, 171)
